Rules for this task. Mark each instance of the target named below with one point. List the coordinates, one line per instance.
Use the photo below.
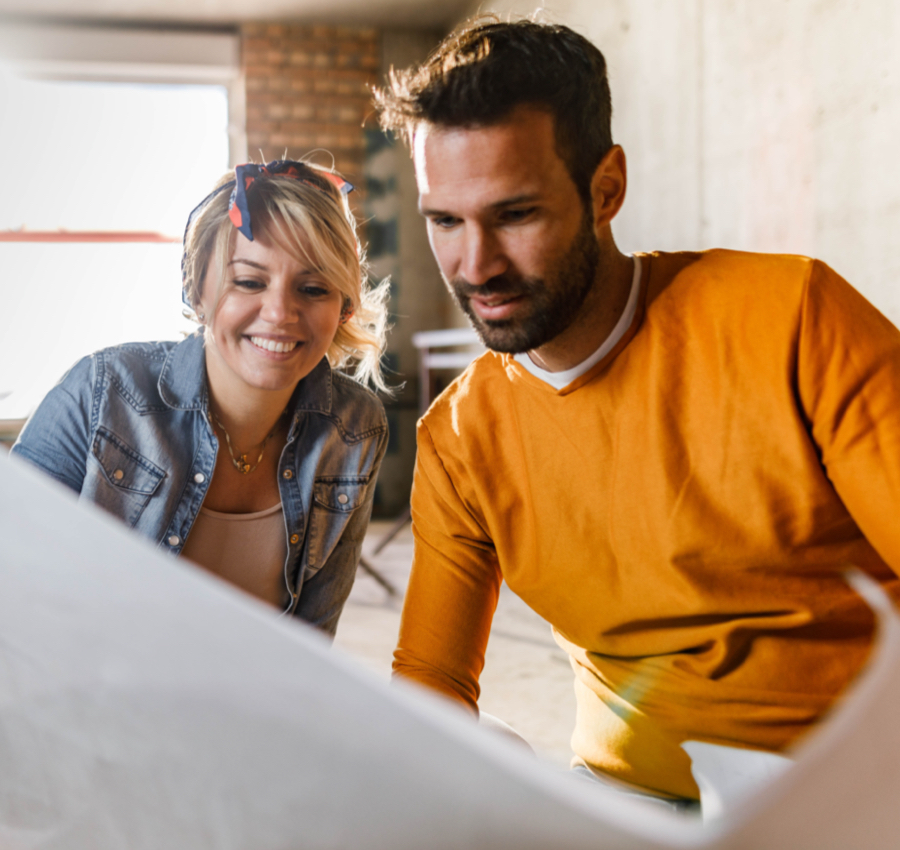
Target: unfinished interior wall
(755, 124)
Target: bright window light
(96, 157)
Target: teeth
(273, 345)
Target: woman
(241, 447)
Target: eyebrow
(264, 268)
(247, 263)
(506, 202)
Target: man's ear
(608, 187)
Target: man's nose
(483, 256)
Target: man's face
(508, 228)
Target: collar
(313, 393)
(514, 368)
(560, 380)
(182, 381)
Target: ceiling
(394, 14)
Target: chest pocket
(127, 479)
(334, 500)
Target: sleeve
(453, 587)
(57, 436)
(323, 597)
(849, 386)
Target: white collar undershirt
(558, 380)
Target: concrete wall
(766, 125)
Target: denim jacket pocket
(127, 479)
(334, 500)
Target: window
(100, 178)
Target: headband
(238, 209)
(245, 176)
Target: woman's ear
(608, 187)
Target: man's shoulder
(724, 265)
(732, 283)
(481, 388)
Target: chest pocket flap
(340, 494)
(123, 467)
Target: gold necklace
(240, 462)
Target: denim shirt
(128, 428)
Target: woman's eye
(244, 283)
(315, 290)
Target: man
(673, 458)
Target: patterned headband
(246, 175)
(238, 209)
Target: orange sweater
(681, 514)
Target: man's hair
(480, 73)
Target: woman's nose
(279, 305)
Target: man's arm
(849, 385)
(453, 588)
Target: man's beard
(555, 300)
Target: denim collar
(182, 382)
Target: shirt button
(199, 478)
(118, 475)
(343, 498)
(287, 474)
(174, 540)
(295, 539)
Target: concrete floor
(527, 680)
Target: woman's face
(275, 319)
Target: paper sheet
(144, 704)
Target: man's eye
(517, 214)
(444, 222)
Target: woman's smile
(274, 346)
(272, 321)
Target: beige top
(248, 550)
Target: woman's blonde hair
(310, 220)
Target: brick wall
(308, 88)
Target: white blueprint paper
(144, 704)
